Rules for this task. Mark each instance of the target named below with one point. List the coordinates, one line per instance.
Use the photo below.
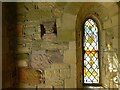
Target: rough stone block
(54, 45)
(65, 73)
(22, 56)
(36, 36)
(52, 74)
(69, 57)
(44, 86)
(28, 75)
(25, 39)
(36, 45)
(26, 85)
(58, 87)
(31, 22)
(72, 45)
(59, 66)
(48, 73)
(37, 52)
(22, 49)
(40, 61)
(73, 71)
(49, 37)
(55, 56)
(29, 31)
(56, 74)
(70, 83)
(58, 22)
(22, 63)
(66, 35)
(54, 82)
(115, 20)
(66, 23)
(19, 29)
(107, 24)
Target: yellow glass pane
(94, 73)
(90, 26)
(84, 71)
(88, 74)
(90, 55)
(96, 55)
(91, 63)
(93, 51)
(97, 78)
(96, 29)
(88, 52)
(90, 40)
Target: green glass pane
(91, 70)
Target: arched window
(91, 53)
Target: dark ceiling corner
(118, 3)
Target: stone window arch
(79, 45)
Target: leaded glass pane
(91, 62)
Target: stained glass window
(91, 61)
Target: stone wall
(45, 53)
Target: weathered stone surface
(22, 63)
(41, 86)
(73, 71)
(54, 82)
(66, 23)
(54, 45)
(22, 56)
(69, 57)
(25, 85)
(40, 61)
(29, 31)
(70, 83)
(65, 73)
(49, 37)
(58, 22)
(52, 74)
(22, 49)
(43, 59)
(48, 73)
(25, 39)
(36, 36)
(55, 56)
(59, 87)
(19, 29)
(36, 45)
(59, 66)
(28, 75)
(66, 35)
(36, 52)
(29, 22)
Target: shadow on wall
(9, 39)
